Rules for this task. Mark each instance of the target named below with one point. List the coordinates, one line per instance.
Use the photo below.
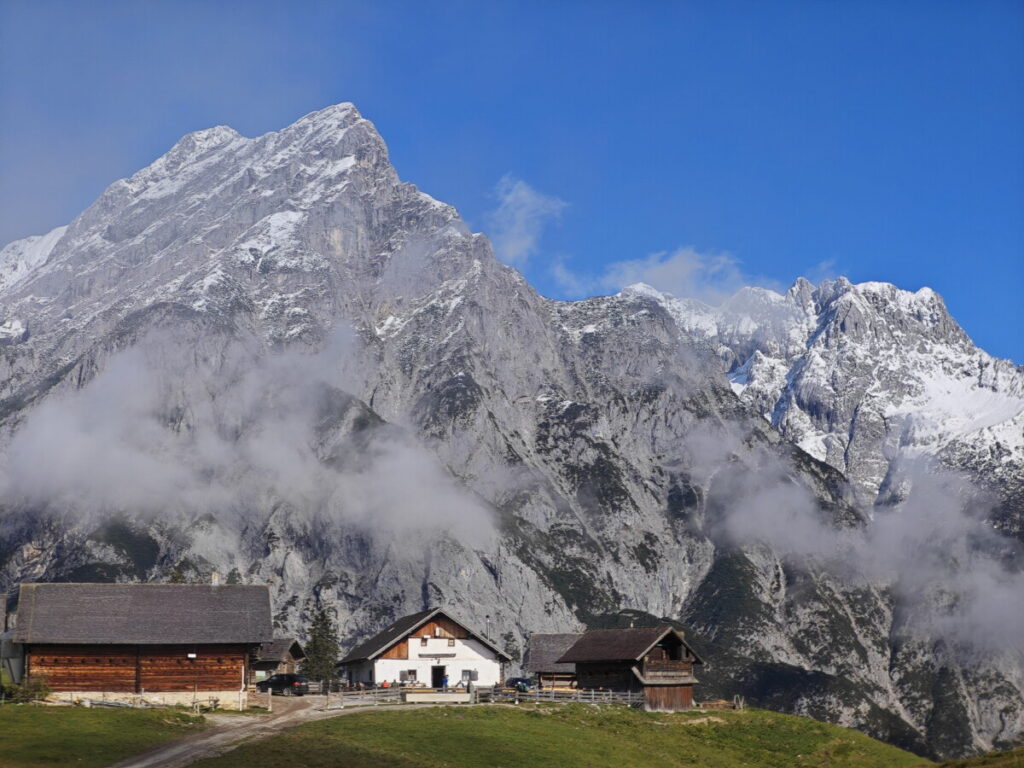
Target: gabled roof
(402, 628)
(143, 614)
(278, 650)
(620, 644)
(544, 651)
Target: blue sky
(716, 143)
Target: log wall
(399, 651)
(85, 668)
(612, 676)
(127, 669)
(668, 698)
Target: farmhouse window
(411, 675)
(451, 642)
(423, 640)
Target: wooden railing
(582, 695)
(667, 669)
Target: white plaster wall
(469, 654)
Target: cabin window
(451, 642)
(423, 640)
(437, 631)
(410, 675)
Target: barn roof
(619, 644)
(544, 651)
(403, 627)
(143, 614)
(278, 649)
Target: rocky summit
(271, 358)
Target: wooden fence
(377, 696)
(581, 695)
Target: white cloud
(516, 225)
(684, 272)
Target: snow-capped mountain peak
(863, 376)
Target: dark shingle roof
(278, 648)
(376, 645)
(544, 651)
(143, 614)
(617, 644)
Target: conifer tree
(321, 649)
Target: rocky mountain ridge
(868, 377)
(272, 358)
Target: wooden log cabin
(168, 643)
(423, 649)
(282, 655)
(654, 660)
(542, 660)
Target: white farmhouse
(423, 649)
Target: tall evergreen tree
(321, 649)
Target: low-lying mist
(166, 430)
(955, 578)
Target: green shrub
(31, 689)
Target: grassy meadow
(36, 736)
(565, 736)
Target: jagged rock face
(865, 377)
(272, 358)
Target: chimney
(215, 578)
(3, 611)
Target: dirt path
(231, 730)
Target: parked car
(286, 685)
(521, 684)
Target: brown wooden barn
(169, 643)
(282, 655)
(543, 652)
(655, 660)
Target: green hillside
(1011, 759)
(566, 736)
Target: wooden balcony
(668, 671)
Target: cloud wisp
(516, 225)
(684, 273)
